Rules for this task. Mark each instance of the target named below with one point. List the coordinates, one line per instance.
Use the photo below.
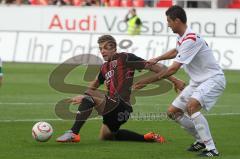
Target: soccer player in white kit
(206, 84)
(1, 73)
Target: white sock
(188, 125)
(202, 128)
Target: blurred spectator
(17, 2)
(104, 3)
(134, 22)
(149, 3)
(59, 2)
(91, 3)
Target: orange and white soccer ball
(42, 131)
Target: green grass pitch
(26, 97)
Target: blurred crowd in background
(130, 3)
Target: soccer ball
(42, 131)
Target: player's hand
(152, 61)
(138, 85)
(76, 100)
(179, 85)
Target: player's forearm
(157, 68)
(168, 75)
(172, 79)
(149, 80)
(161, 70)
(168, 55)
(154, 77)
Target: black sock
(84, 111)
(126, 135)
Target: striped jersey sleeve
(187, 48)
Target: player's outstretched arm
(163, 72)
(161, 69)
(168, 55)
(78, 99)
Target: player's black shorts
(117, 116)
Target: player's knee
(173, 113)
(89, 99)
(170, 115)
(87, 103)
(106, 136)
(190, 110)
(106, 133)
(103, 137)
(193, 106)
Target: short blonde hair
(106, 39)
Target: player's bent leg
(119, 135)
(104, 104)
(126, 135)
(202, 127)
(97, 96)
(174, 112)
(84, 111)
(185, 121)
(193, 106)
(105, 133)
(113, 120)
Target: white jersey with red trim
(197, 58)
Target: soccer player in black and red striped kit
(117, 74)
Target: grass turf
(26, 97)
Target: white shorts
(206, 93)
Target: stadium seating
(77, 2)
(114, 3)
(126, 3)
(38, 2)
(234, 4)
(138, 3)
(164, 3)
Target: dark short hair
(175, 12)
(106, 38)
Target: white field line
(135, 118)
(22, 103)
